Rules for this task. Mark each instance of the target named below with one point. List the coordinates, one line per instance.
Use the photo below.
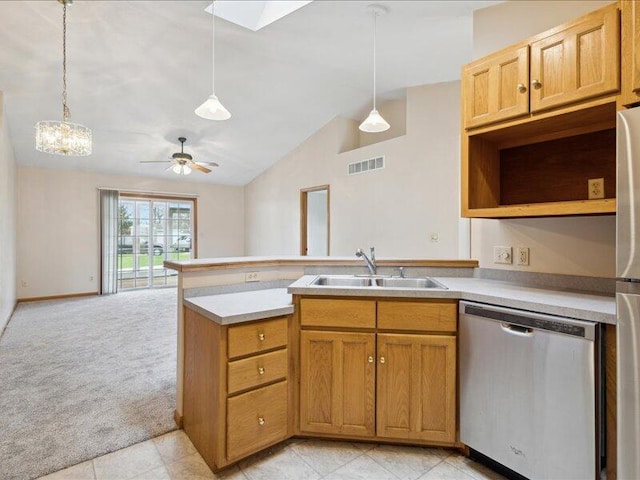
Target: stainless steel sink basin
(370, 282)
(342, 281)
(409, 283)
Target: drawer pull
(261, 370)
(261, 420)
(382, 360)
(370, 359)
(261, 337)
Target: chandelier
(63, 138)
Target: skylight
(255, 15)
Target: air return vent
(366, 165)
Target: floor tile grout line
(468, 474)
(304, 461)
(93, 467)
(383, 467)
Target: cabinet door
(495, 89)
(577, 63)
(337, 383)
(630, 52)
(416, 390)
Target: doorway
(150, 231)
(314, 221)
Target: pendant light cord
(213, 47)
(375, 16)
(65, 109)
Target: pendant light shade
(212, 108)
(63, 138)
(374, 123)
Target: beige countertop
(230, 308)
(582, 306)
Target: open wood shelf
(541, 167)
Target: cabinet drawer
(418, 316)
(254, 371)
(256, 337)
(338, 313)
(256, 419)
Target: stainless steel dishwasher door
(527, 392)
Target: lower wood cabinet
(236, 386)
(416, 387)
(337, 383)
(379, 383)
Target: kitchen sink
(343, 281)
(374, 282)
(409, 283)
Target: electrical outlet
(252, 277)
(91, 278)
(24, 284)
(434, 237)
(596, 188)
(522, 256)
(502, 255)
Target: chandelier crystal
(63, 138)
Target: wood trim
(575, 207)
(56, 297)
(194, 236)
(303, 217)
(610, 366)
(222, 264)
(153, 196)
(177, 418)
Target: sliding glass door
(151, 230)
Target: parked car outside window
(183, 244)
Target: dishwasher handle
(516, 330)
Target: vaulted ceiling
(138, 69)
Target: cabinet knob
(260, 420)
(382, 360)
(522, 88)
(370, 359)
(261, 370)
(261, 337)
(536, 84)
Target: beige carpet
(84, 377)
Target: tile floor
(173, 457)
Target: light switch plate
(502, 255)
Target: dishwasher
(529, 388)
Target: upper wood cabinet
(569, 64)
(630, 52)
(577, 63)
(495, 88)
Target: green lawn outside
(125, 260)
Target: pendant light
(212, 108)
(63, 138)
(374, 123)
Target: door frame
(303, 217)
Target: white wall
(58, 225)
(569, 245)
(395, 209)
(7, 222)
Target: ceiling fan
(182, 163)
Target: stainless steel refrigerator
(628, 293)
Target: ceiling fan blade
(211, 164)
(154, 161)
(168, 168)
(200, 167)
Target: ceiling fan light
(177, 168)
(212, 109)
(186, 170)
(374, 123)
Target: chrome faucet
(371, 263)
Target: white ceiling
(138, 69)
